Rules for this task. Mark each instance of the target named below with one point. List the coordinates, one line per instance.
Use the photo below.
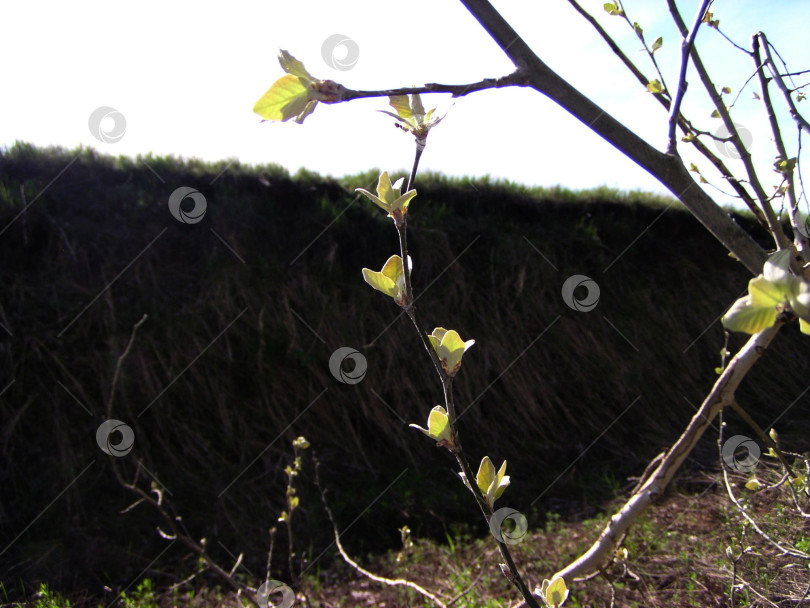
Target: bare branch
(801, 240)
(745, 156)
(391, 582)
(684, 124)
(721, 395)
(669, 170)
(686, 48)
(516, 78)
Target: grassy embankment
(244, 310)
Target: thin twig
(686, 48)
(391, 582)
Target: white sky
(185, 75)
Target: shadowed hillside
(244, 309)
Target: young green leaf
(657, 44)
(438, 427)
(655, 87)
(753, 484)
(554, 592)
(287, 98)
(390, 280)
(389, 198)
(450, 348)
(613, 8)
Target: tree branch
(745, 156)
(684, 124)
(516, 78)
(668, 169)
(721, 395)
(686, 48)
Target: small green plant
(143, 597)
(780, 294)
(45, 598)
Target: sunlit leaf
(390, 280)
(401, 105)
(745, 317)
(486, 475)
(450, 348)
(555, 592)
(753, 484)
(286, 98)
(292, 66)
(715, 114)
(655, 86)
(438, 427)
(657, 44)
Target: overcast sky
(185, 76)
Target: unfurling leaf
(771, 295)
(554, 592)
(450, 348)
(613, 8)
(391, 279)
(637, 29)
(688, 137)
(491, 483)
(784, 166)
(753, 484)
(438, 427)
(659, 42)
(715, 114)
(389, 198)
(287, 98)
(655, 87)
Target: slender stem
(447, 387)
(774, 226)
(684, 124)
(686, 47)
(516, 78)
(420, 147)
(764, 436)
(799, 238)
